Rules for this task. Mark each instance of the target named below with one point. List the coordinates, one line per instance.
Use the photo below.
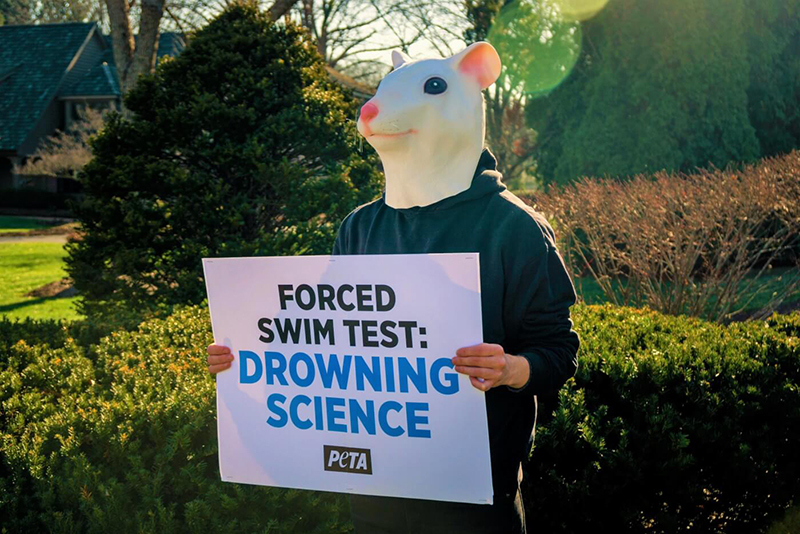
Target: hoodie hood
(486, 181)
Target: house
(47, 73)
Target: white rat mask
(426, 122)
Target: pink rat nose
(368, 112)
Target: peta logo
(347, 460)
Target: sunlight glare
(578, 10)
(539, 48)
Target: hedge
(690, 244)
(122, 438)
(671, 423)
(36, 199)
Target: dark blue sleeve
(340, 244)
(545, 336)
(337, 245)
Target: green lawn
(775, 280)
(26, 266)
(17, 224)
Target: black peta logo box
(347, 460)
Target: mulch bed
(60, 289)
(62, 229)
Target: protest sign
(342, 379)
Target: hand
(489, 362)
(219, 358)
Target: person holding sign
(444, 195)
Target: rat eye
(435, 86)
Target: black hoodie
(525, 292)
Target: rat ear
(479, 60)
(399, 59)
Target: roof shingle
(33, 59)
(102, 80)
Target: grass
(18, 224)
(773, 281)
(26, 266)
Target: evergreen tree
(240, 146)
(661, 84)
(15, 12)
(774, 92)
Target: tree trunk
(122, 39)
(308, 15)
(280, 8)
(144, 60)
(136, 57)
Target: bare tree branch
(280, 8)
(349, 30)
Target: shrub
(35, 199)
(789, 524)
(31, 331)
(694, 244)
(787, 324)
(123, 439)
(52, 333)
(240, 146)
(65, 152)
(670, 424)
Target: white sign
(342, 379)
